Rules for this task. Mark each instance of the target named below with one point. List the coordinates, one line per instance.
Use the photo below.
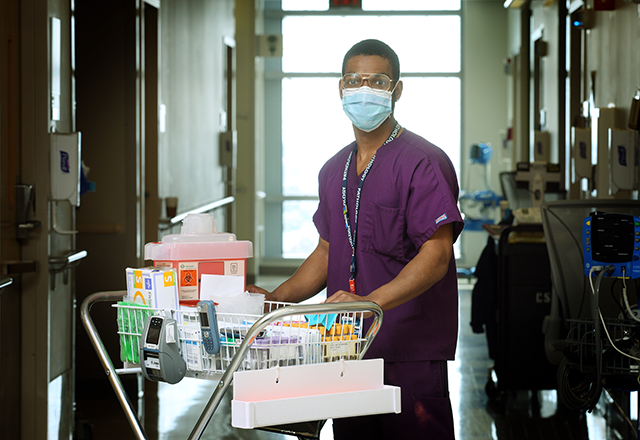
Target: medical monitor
(562, 222)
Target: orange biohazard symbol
(188, 278)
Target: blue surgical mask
(367, 108)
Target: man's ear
(398, 92)
(340, 87)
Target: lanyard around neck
(352, 234)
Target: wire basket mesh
(293, 340)
(620, 346)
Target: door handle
(62, 263)
(24, 206)
(4, 282)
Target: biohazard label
(188, 280)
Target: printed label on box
(341, 349)
(234, 267)
(137, 279)
(141, 297)
(188, 280)
(190, 335)
(168, 279)
(154, 287)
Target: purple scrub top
(409, 192)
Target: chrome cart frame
(227, 377)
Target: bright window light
(312, 136)
(299, 234)
(305, 5)
(376, 5)
(430, 107)
(423, 43)
(411, 5)
(314, 126)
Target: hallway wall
(612, 59)
(192, 70)
(613, 54)
(485, 104)
(111, 86)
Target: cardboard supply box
(155, 287)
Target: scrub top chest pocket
(382, 230)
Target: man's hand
(255, 289)
(268, 296)
(342, 296)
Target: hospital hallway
(523, 415)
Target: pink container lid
(198, 240)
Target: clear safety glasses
(377, 81)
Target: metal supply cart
(287, 335)
(609, 360)
(625, 334)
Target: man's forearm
(427, 268)
(309, 279)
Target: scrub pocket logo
(442, 217)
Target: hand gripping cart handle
(236, 361)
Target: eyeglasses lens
(376, 81)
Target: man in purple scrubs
(396, 193)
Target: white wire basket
(291, 340)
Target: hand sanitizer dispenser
(623, 157)
(65, 167)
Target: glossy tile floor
(520, 415)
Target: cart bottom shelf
(311, 392)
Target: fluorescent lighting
(514, 4)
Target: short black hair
(374, 47)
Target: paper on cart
(243, 307)
(219, 286)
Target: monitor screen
(612, 238)
(204, 319)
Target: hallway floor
(521, 415)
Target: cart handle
(227, 377)
(110, 371)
